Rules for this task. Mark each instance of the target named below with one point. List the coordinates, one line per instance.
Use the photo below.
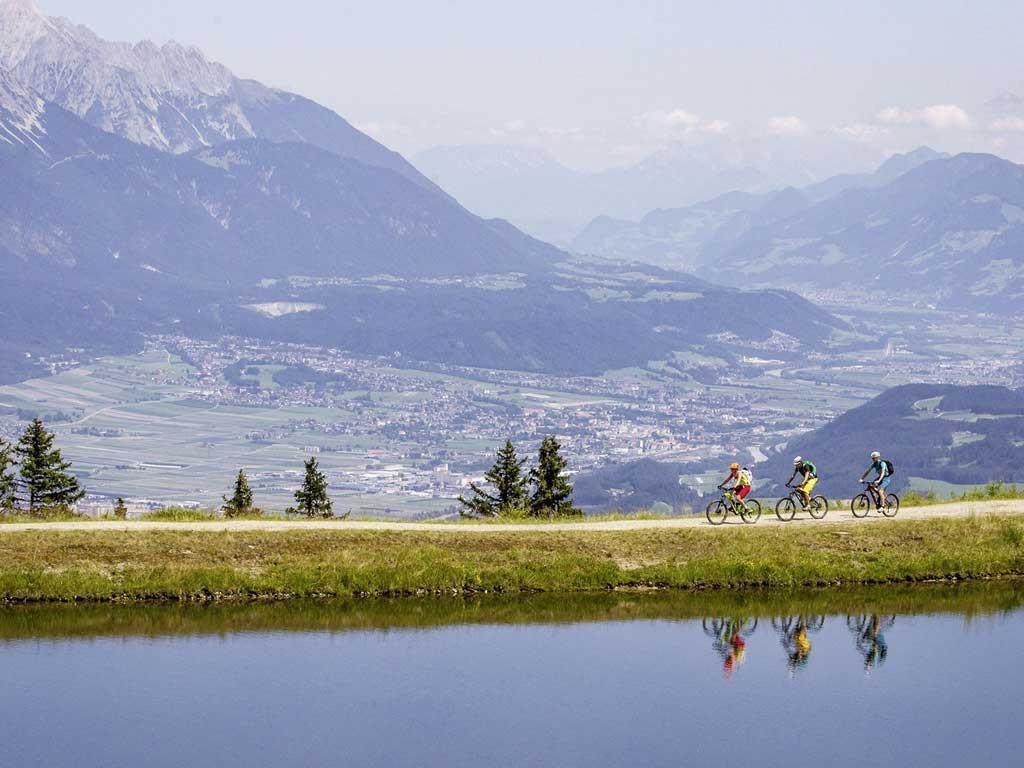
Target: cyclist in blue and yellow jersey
(808, 478)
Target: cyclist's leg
(883, 489)
(742, 494)
(807, 488)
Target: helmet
(876, 455)
(734, 465)
(798, 460)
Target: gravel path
(843, 516)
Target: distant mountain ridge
(940, 432)
(102, 238)
(169, 97)
(675, 238)
(949, 232)
(535, 191)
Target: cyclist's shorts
(743, 492)
(808, 485)
(885, 483)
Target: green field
(149, 439)
(197, 565)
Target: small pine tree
(45, 481)
(552, 491)
(121, 509)
(312, 499)
(510, 498)
(8, 476)
(240, 502)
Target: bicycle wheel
(785, 510)
(861, 505)
(819, 507)
(716, 512)
(753, 511)
(892, 505)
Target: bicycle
(718, 510)
(861, 504)
(787, 507)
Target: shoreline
(186, 564)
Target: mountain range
(928, 229)
(169, 97)
(108, 232)
(531, 188)
(674, 237)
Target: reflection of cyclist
(735, 652)
(871, 642)
(808, 478)
(742, 481)
(729, 643)
(883, 476)
(797, 642)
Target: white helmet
(876, 455)
(798, 460)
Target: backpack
(746, 477)
(889, 468)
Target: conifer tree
(240, 502)
(45, 480)
(8, 476)
(312, 499)
(121, 509)
(511, 496)
(552, 491)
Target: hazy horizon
(601, 84)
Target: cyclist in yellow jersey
(808, 478)
(742, 482)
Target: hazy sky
(603, 81)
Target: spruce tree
(312, 499)
(552, 491)
(240, 502)
(45, 481)
(510, 498)
(8, 476)
(120, 509)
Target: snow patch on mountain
(21, 114)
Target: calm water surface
(927, 678)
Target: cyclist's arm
(791, 478)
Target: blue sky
(606, 76)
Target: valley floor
(133, 562)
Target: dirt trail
(842, 516)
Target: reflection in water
(871, 643)
(589, 680)
(794, 632)
(729, 641)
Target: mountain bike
(748, 511)
(787, 507)
(862, 503)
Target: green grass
(210, 565)
(180, 515)
(990, 492)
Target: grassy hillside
(960, 435)
(47, 565)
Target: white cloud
(1008, 124)
(678, 121)
(938, 116)
(787, 125)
